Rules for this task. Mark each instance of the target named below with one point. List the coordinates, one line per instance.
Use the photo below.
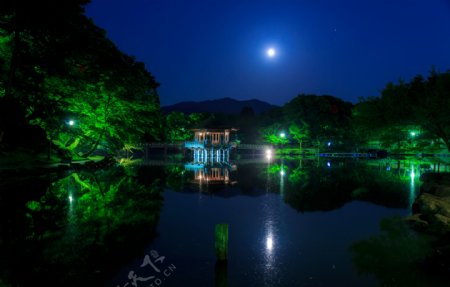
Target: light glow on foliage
(34, 205)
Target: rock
(433, 204)
(441, 224)
(429, 204)
(417, 222)
(432, 215)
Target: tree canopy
(72, 81)
(417, 110)
(309, 118)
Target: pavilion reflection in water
(215, 171)
(211, 156)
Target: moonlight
(271, 52)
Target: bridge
(348, 154)
(193, 144)
(182, 146)
(254, 146)
(163, 145)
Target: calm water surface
(291, 223)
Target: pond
(292, 222)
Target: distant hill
(224, 106)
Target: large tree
(299, 133)
(327, 116)
(178, 126)
(274, 134)
(72, 81)
(421, 104)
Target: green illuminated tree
(299, 133)
(420, 104)
(271, 134)
(68, 71)
(178, 125)
(102, 113)
(429, 101)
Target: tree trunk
(95, 145)
(97, 142)
(447, 143)
(441, 133)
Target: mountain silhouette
(223, 106)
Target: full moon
(271, 52)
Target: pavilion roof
(215, 129)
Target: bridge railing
(208, 144)
(163, 145)
(204, 144)
(194, 144)
(347, 154)
(254, 146)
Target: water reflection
(213, 170)
(397, 256)
(75, 229)
(412, 189)
(302, 183)
(305, 184)
(268, 238)
(270, 242)
(330, 186)
(282, 174)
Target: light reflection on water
(267, 245)
(412, 189)
(284, 229)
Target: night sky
(208, 49)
